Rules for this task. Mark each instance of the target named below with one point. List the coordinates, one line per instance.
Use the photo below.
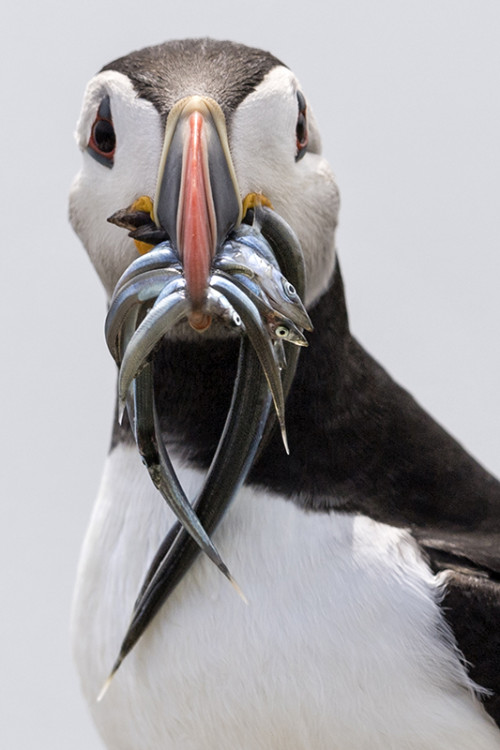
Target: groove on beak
(197, 197)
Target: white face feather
(304, 193)
(263, 146)
(98, 191)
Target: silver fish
(234, 456)
(161, 257)
(133, 293)
(239, 258)
(260, 340)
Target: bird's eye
(301, 134)
(102, 141)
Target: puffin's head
(200, 123)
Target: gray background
(407, 96)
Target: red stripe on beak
(196, 225)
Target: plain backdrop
(407, 97)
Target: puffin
(364, 540)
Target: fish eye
(290, 289)
(281, 331)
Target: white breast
(341, 647)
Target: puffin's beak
(197, 198)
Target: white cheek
(109, 248)
(263, 149)
(261, 136)
(98, 191)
